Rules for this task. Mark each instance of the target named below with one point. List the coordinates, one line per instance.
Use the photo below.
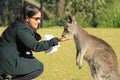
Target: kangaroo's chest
(81, 47)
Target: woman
(17, 43)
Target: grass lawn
(61, 64)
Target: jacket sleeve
(28, 39)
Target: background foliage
(89, 13)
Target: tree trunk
(47, 13)
(60, 8)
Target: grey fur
(98, 53)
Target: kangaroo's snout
(65, 31)
(64, 34)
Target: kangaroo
(98, 53)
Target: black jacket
(16, 45)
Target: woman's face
(34, 21)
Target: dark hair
(27, 11)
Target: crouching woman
(17, 43)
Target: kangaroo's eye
(66, 29)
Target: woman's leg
(28, 76)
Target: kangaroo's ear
(69, 19)
(74, 20)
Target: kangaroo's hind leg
(103, 62)
(95, 72)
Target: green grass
(61, 64)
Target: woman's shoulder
(23, 26)
(20, 24)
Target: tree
(9, 9)
(60, 8)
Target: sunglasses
(36, 18)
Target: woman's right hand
(61, 39)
